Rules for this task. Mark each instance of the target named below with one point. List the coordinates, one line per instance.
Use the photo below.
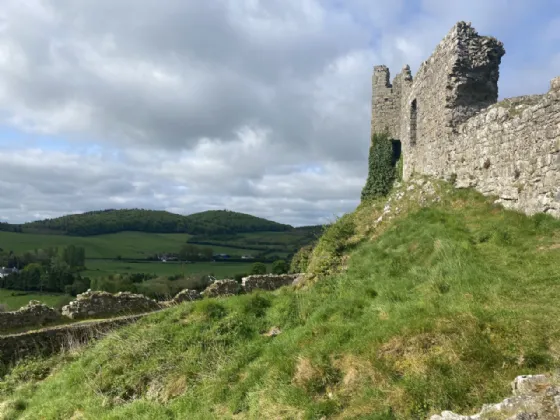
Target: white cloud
(259, 106)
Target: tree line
(154, 221)
(46, 270)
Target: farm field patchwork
(124, 244)
(102, 268)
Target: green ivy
(381, 174)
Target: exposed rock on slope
(534, 397)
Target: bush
(327, 255)
(279, 267)
(258, 268)
(300, 260)
(381, 173)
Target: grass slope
(437, 309)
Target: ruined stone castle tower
(451, 126)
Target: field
(278, 243)
(98, 268)
(124, 244)
(14, 299)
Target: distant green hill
(213, 222)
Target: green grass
(438, 309)
(15, 299)
(102, 268)
(125, 244)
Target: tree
(30, 278)
(258, 268)
(279, 267)
(381, 173)
(207, 253)
(189, 252)
(74, 256)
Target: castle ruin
(450, 125)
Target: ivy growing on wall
(381, 173)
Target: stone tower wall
(450, 125)
(385, 103)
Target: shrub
(300, 260)
(256, 305)
(381, 173)
(336, 235)
(327, 255)
(258, 268)
(212, 309)
(279, 267)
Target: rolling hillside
(152, 221)
(141, 234)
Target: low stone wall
(102, 304)
(54, 339)
(91, 304)
(268, 281)
(32, 315)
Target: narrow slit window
(413, 122)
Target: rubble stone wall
(267, 281)
(92, 304)
(54, 339)
(34, 314)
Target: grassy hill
(434, 302)
(153, 221)
(141, 234)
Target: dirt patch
(549, 247)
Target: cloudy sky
(259, 106)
